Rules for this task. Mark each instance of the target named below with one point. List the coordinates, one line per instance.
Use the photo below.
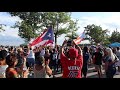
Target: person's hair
(40, 60)
(113, 50)
(99, 49)
(118, 48)
(11, 59)
(53, 50)
(110, 53)
(85, 49)
(48, 47)
(30, 48)
(11, 48)
(46, 51)
(3, 54)
(19, 49)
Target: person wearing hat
(73, 62)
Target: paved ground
(90, 74)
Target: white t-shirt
(42, 53)
(31, 54)
(118, 54)
(2, 71)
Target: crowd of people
(72, 61)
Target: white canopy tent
(85, 42)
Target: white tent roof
(85, 42)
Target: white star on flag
(49, 35)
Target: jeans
(84, 70)
(110, 72)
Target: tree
(1, 27)
(60, 21)
(72, 28)
(29, 24)
(115, 37)
(96, 33)
(32, 23)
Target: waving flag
(80, 38)
(47, 38)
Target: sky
(107, 20)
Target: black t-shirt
(51, 55)
(37, 54)
(20, 61)
(85, 58)
(98, 58)
(3, 54)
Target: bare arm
(62, 48)
(77, 47)
(48, 70)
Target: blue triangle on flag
(49, 35)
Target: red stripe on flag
(80, 38)
(38, 39)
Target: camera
(24, 68)
(69, 43)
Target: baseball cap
(73, 53)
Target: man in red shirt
(73, 62)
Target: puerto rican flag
(80, 38)
(46, 39)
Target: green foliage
(97, 33)
(115, 37)
(29, 26)
(32, 23)
(58, 20)
(72, 30)
(1, 27)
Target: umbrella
(116, 44)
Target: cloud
(10, 37)
(9, 31)
(109, 21)
(61, 39)
(7, 19)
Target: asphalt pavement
(91, 74)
